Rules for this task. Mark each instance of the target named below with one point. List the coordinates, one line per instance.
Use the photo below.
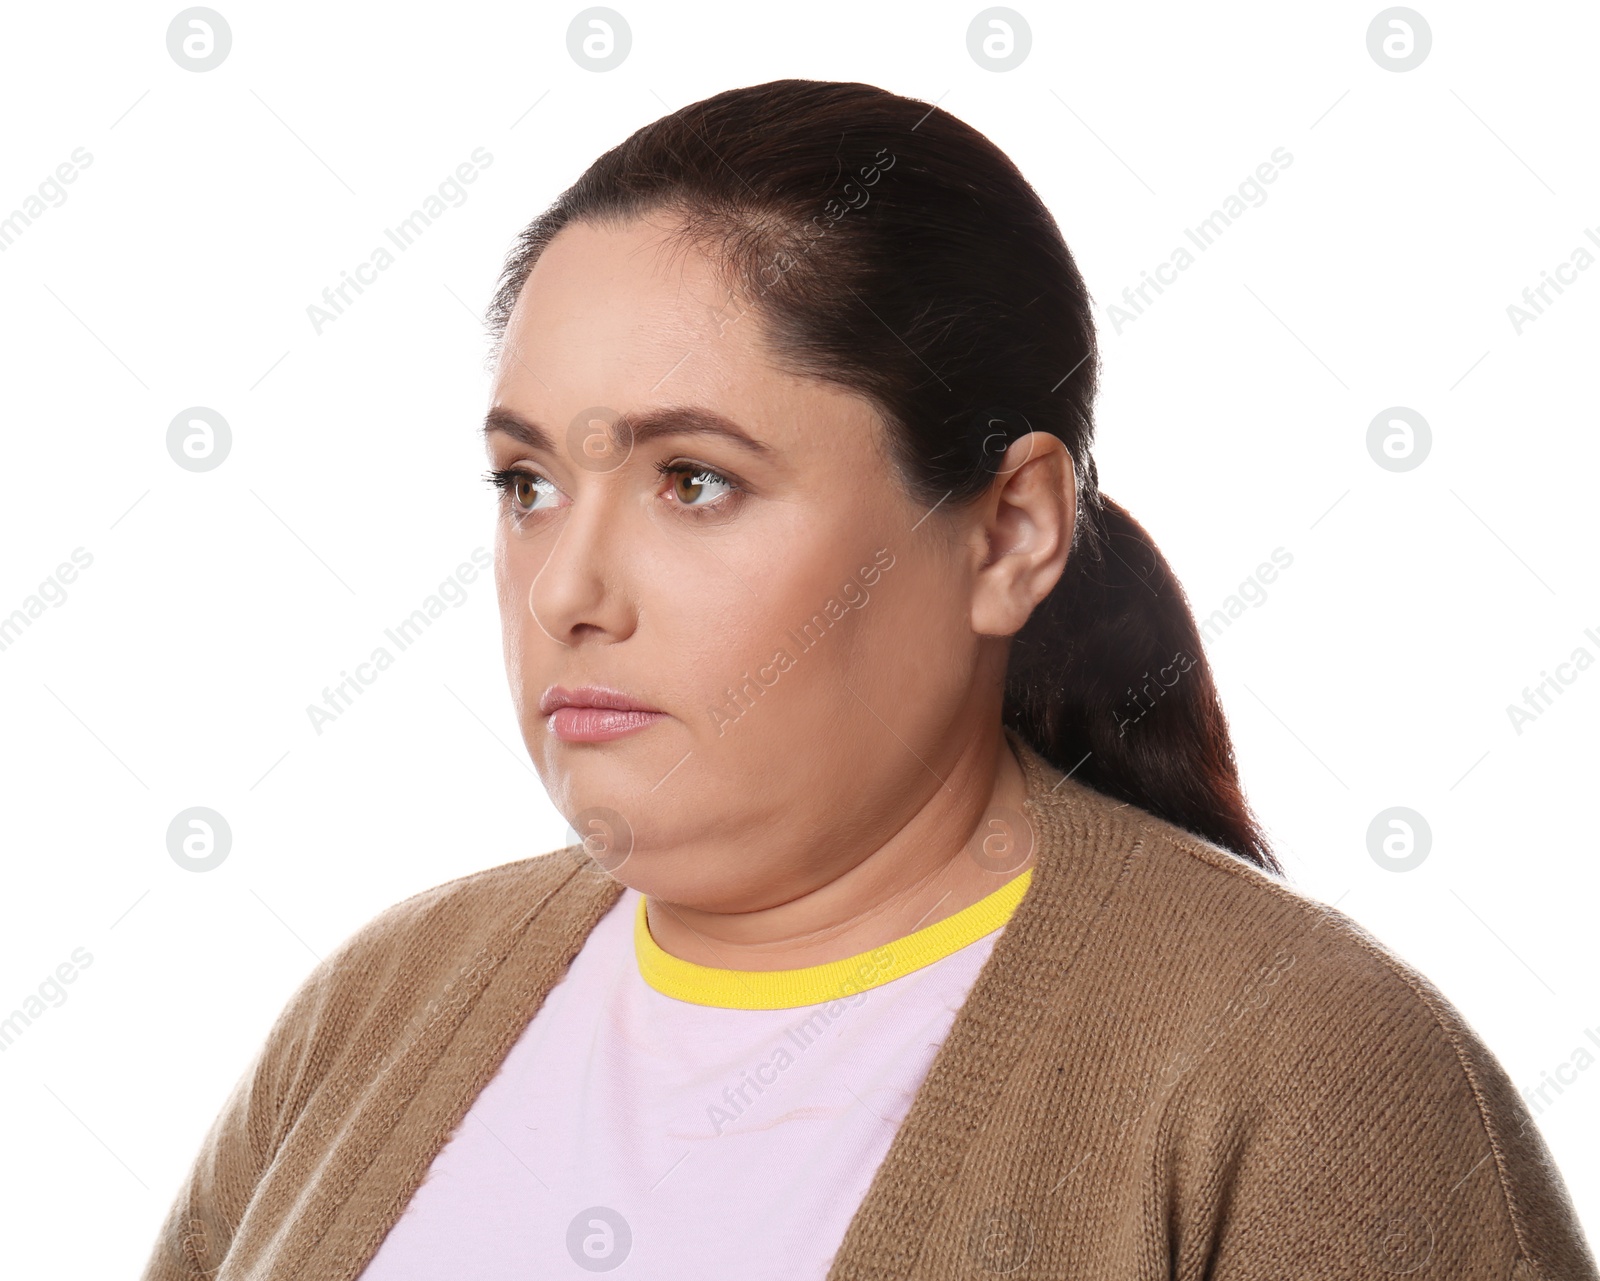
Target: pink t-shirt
(634, 1123)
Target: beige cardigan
(1171, 1066)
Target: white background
(217, 207)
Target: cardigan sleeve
(1362, 1130)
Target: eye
(520, 489)
(692, 482)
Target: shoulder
(1233, 934)
(1219, 917)
(1296, 1033)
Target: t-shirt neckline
(832, 980)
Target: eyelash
(505, 478)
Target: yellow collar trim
(832, 980)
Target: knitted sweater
(1171, 1066)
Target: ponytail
(1108, 681)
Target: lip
(594, 714)
(613, 700)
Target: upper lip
(590, 696)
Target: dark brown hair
(890, 249)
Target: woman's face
(802, 627)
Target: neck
(924, 872)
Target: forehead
(618, 310)
(617, 317)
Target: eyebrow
(676, 420)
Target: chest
(627, 1126)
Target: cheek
(504, 570)
(914, 636)
(759, 649)
(715, 647)
(519, 632)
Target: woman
(919, 927)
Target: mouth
(594, 714)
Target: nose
(576, 592)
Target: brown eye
(520, 489)
(691, 484)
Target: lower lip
(597, 724)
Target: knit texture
(1172, 1066)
